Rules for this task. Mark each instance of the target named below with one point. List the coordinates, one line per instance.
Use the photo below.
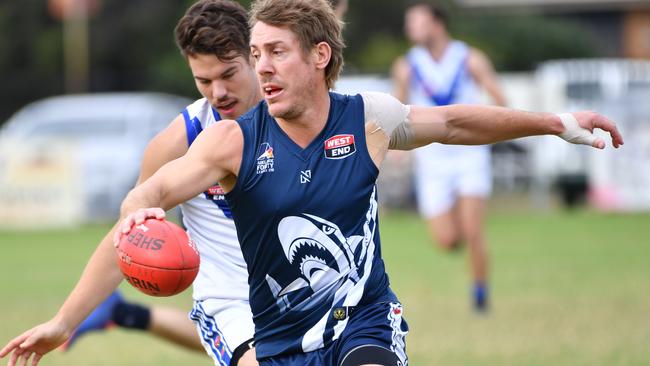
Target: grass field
(568, 289)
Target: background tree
(132, 45)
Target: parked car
(109, 132)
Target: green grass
(568, 289)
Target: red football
(158, 258)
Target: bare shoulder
(171, 141)
(478, 60)
(401, 68)
(167, 145)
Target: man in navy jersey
(299, 174)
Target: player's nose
(264, 65)
(219, 91)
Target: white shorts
(439, 182)
(223, 325)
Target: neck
(304, 128)
(258, 98)
(437, 47)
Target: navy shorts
(376, 325)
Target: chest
(329, 174)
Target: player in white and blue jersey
(452, 182)
(299, 175)
(220, 291)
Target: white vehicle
(81, 153)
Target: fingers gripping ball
(158, 258)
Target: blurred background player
(452, 182)
(214, 38)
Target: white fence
(614, 179)
(620, 89)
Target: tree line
(131, 45)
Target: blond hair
(313, 21)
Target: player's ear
(322, 54)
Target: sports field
(569, 289)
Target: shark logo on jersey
(333, 269)
(265, 158)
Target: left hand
(579, 128)
(134, 219)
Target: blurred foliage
(132, 45)
(30, 54)
(377, 54)
(517, 43)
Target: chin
(284, 109)
(277, 111)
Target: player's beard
(293, 109)
(292, 112)
(296, 99)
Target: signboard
(39, 185)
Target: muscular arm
(408, 127)
(483, 73)
(101, 275)
(214, 156)
(476, 125)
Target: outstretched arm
(98, 280)
(408, 127)
(475, 125)
(101, 275)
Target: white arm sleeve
(390, 115)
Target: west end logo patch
(216, 192)
(217, 195)
(339, 146)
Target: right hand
(134, 219)
(37, 341)
(579, 129)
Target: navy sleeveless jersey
(307, 223)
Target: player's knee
(448, 242)
(475, 239)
